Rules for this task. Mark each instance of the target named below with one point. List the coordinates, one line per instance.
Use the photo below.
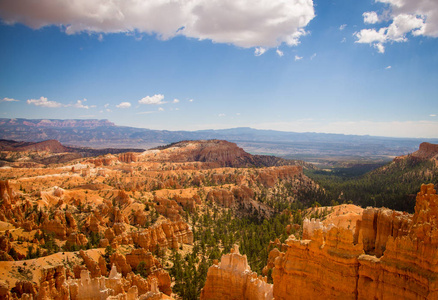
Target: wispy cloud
(43, 102)
(313, 56)
(279, 52)
(388, 67)
(342, 27)
(418, 129)
(298, 57)
(79, 104)
(281, 21)
(221, 115)
(155, 99)
(9, 100)
(124, 105)
(259, 51)
(432, 115)
(145, 112)
(175, 101)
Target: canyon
(389, 255)
(161, 224)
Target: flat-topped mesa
(217, 153)
(232, 279)
(426, 151)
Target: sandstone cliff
(336, 265)
(232, 279)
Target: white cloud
(406, 17)
(344, 40)
(244, 23)
(175, 101)
(298, 57)
(313, 56)
(42, 101)
(155, 99)
(221, 115)
(124, 105)
(342, 27)
(6, 99)
(370, 17)
(432, 115)
(160, 109)
(100, 38)
(79, 104)
(388, 67)
(259, 51)
(380, 48)
(279, 52)
(191, 100)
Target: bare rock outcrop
(401, 260)
(232, 279)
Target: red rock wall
(333, 266)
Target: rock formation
(335, 264)
(232, 279)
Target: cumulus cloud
(414, 17)
(370, 17)
(298, 57)
(124, 105)
(43, 102)
(6, 99)
(155, 99)
(244, 23)
(279, 52)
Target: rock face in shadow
(232, 279)
(392, 255)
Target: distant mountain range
(105, 134)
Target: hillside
(34, 154)
(393, 185)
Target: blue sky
(352, 67)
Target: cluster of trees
(393, 186)
(215, 233)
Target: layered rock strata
(334, 265)
(232, 278)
